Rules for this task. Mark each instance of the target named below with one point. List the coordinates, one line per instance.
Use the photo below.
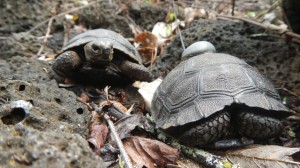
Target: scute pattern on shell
(120, 43)
(205, 84)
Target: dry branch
(263, 25)
(46, 37)
(50, 21)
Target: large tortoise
(210, 94)
(100, 56)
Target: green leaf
(172, 16)
(251, 14)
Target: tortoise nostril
(107, 51)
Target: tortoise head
(99, 51)
(198, 48)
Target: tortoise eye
(95, 48)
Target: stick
(265, 26)
(232, 8)
(45, 38)
(273, 6)
(290, 92)
(61, 14)
(178, 29)
(124, 155)
(205, 158)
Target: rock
(25, 79)
(54, 131)
(22, 146)
(272, 56)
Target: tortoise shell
(118, 41)
(205, 84)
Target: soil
(54, 130)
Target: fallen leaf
(47, 57)
(84, 97)
(98, 132)
(194, 13)
(147, 90)
(127, 124)
(106, 92)
(147, 47)
(164, 31)
(121, 96)
(117, 104)
(264, 155)
(149, 153)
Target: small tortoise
(100, 54)
(210, 95)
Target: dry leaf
(106, 91)
(147, 47)
(264, 156)
(194, 13)
(127, 124)
(150, 153)
(47, 57)
(147, 90)
(117, 104)
(98, 132)
(84, 97)
(164, 31)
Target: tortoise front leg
(135, 71)
(66, 63)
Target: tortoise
(101, 56)
(210, 96)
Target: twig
(198, 155)
(50, 23)
(45, 38)
(45, 69)
(62, 85)
(232, 8)
(87, 104)
(124, 155)
(62, 14)
(178, 29)
(22, 159)
(273, 6)
(263, 25)
(288, 91)
(67, 32)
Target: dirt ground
(54, 131)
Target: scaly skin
(207, 131)
(135, 71)
(258, 126)
(66, 63)
(248, 124)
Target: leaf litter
(148, 48)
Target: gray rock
(53, 132)
(271, 55)
(23, 146)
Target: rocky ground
(53, 132)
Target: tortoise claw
(66, 63)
